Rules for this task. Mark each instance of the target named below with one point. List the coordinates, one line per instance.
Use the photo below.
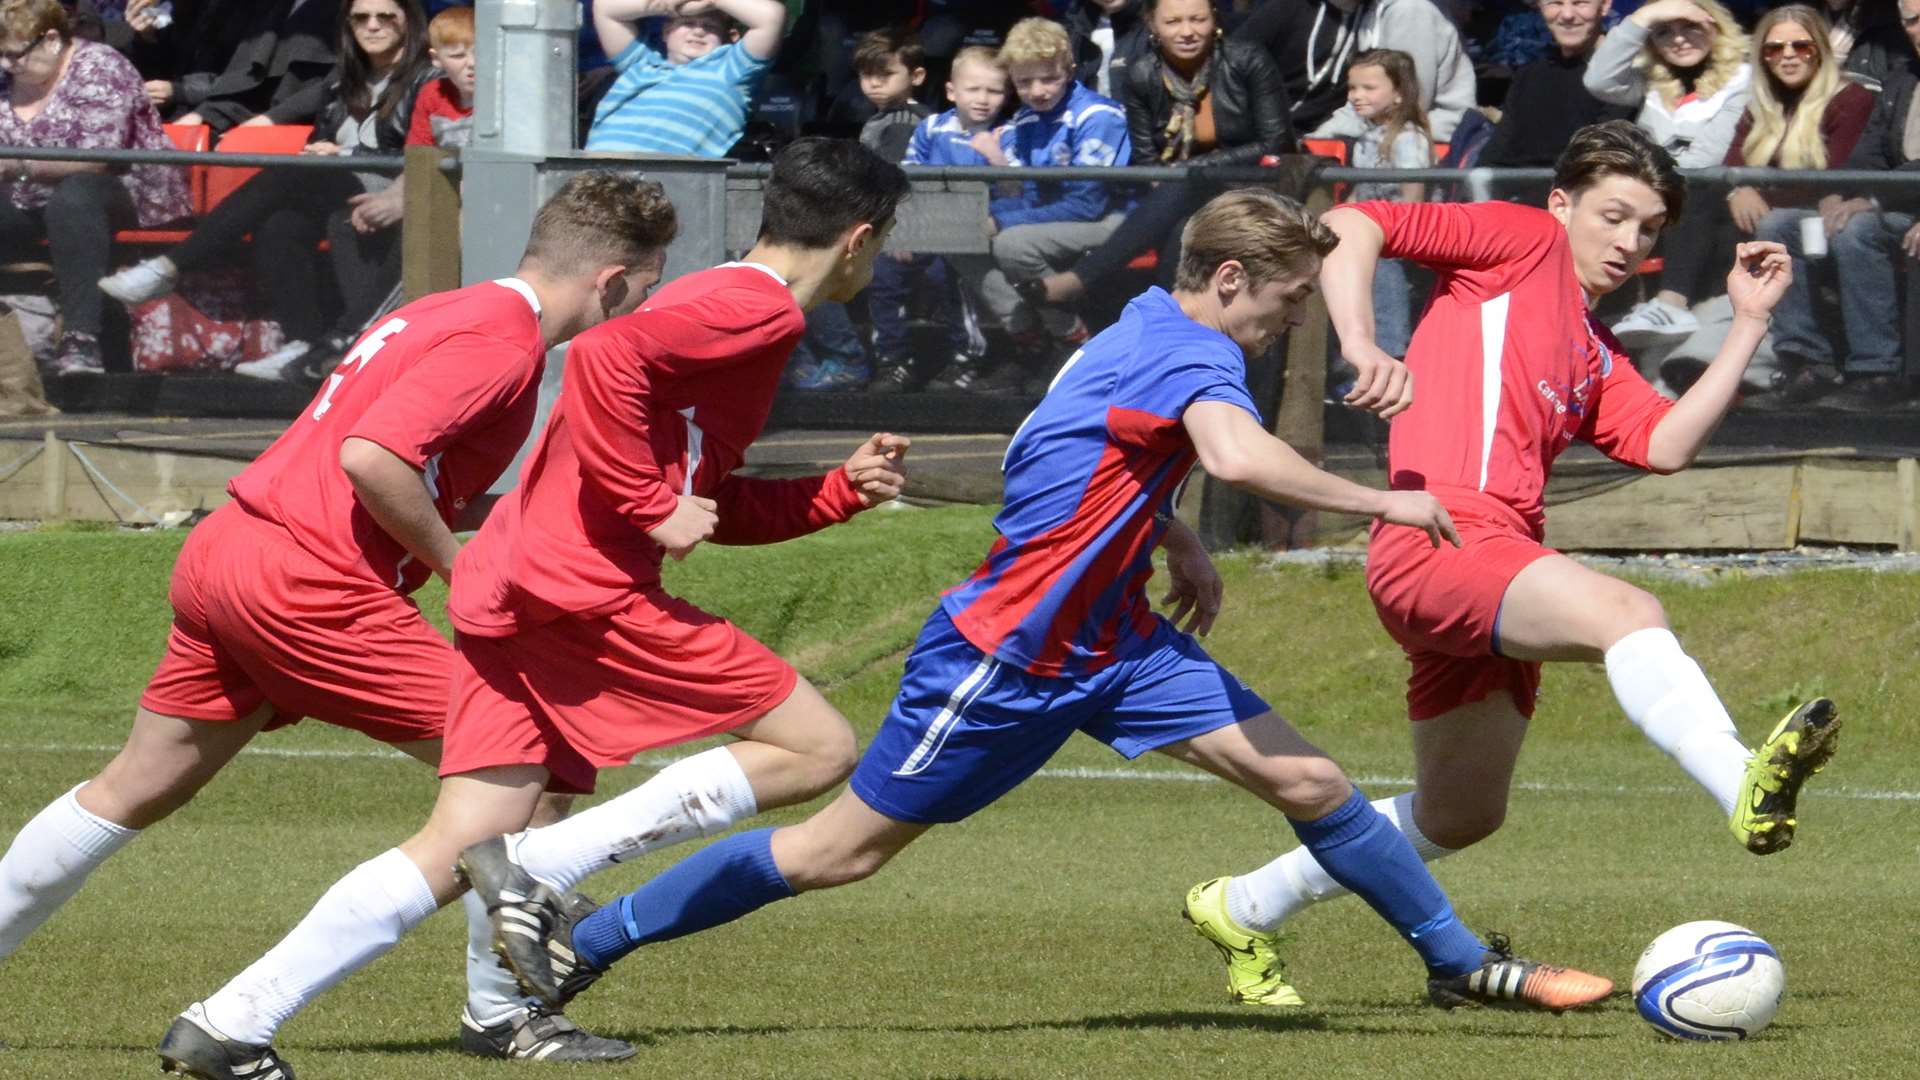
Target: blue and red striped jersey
(1091, 479)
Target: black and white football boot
(532, 923)
(192, 1048)
(538, 1034)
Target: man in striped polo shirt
(690, 92)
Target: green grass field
(1040, 939)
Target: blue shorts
(967, 728)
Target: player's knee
(1637, 609)
(1464, 826)
(1312, 788)
(832, 760)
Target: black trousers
(288, 212)
(78, 223)
(1699, 251)
(1156, 220)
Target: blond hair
(27, 21)
(1037, 40)
(1796, 138)
(1269, 235)
(978, 54)
(1724, 59)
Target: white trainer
(1655, 321)
(143, 281)
(277, 365)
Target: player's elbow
(1666, 459)
(1229, 464)
(360, 460)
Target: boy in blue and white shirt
(691, 93)
(977, 86)
(1049, 224)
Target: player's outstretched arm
(1234, 449)
(1382, 383)
(395, 494)
(1761, 273)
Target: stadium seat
(196, 138)
(223, 181)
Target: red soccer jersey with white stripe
(1509, 366)
(656, 404)
(449, 383)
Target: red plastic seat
(195, 138)
(224, 180)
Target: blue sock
(717, 884)
(1359, 848)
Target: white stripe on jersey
(962, 696)
(1493, 344)
(695, 440)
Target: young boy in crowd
(977, 88)
(891, 66)
(1048, 224)
(689, 94)
(443, 113)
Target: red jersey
(438, 117)
(656, 404)
(1509, 366)
(448, 383)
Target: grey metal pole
(527, 75)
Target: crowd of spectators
(1002, 83)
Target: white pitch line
(1069, 773)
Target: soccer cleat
(532, 923)
(1255, 973)
(539, 1035)
(1800, 746)
(192, 1048)
(1504, 980)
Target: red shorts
(257, 619)
(1443, 605)
(580, 694)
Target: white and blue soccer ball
(1709, 980)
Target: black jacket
(1546, 104)
(331, 110)
(280, 55)
(1130, 41)
(1250, 114)
(1880, 147)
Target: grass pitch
(1040, 939)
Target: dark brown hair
(820, 188)
(1268, 234)
(878, 49)
(1618, 148)
(601, 218)
(356, 71)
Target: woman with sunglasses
(364, 107)
(1804, 114)
(1684, 62)
(64, 92)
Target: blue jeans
(1866, 258)
(894, 283)
(1392, 307)
(831, 335)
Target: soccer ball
(1709, 980)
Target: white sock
(361, 917)
(1262, 900)
(47, 863)
(492, 994)
(697, 796)
(1667, 697)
